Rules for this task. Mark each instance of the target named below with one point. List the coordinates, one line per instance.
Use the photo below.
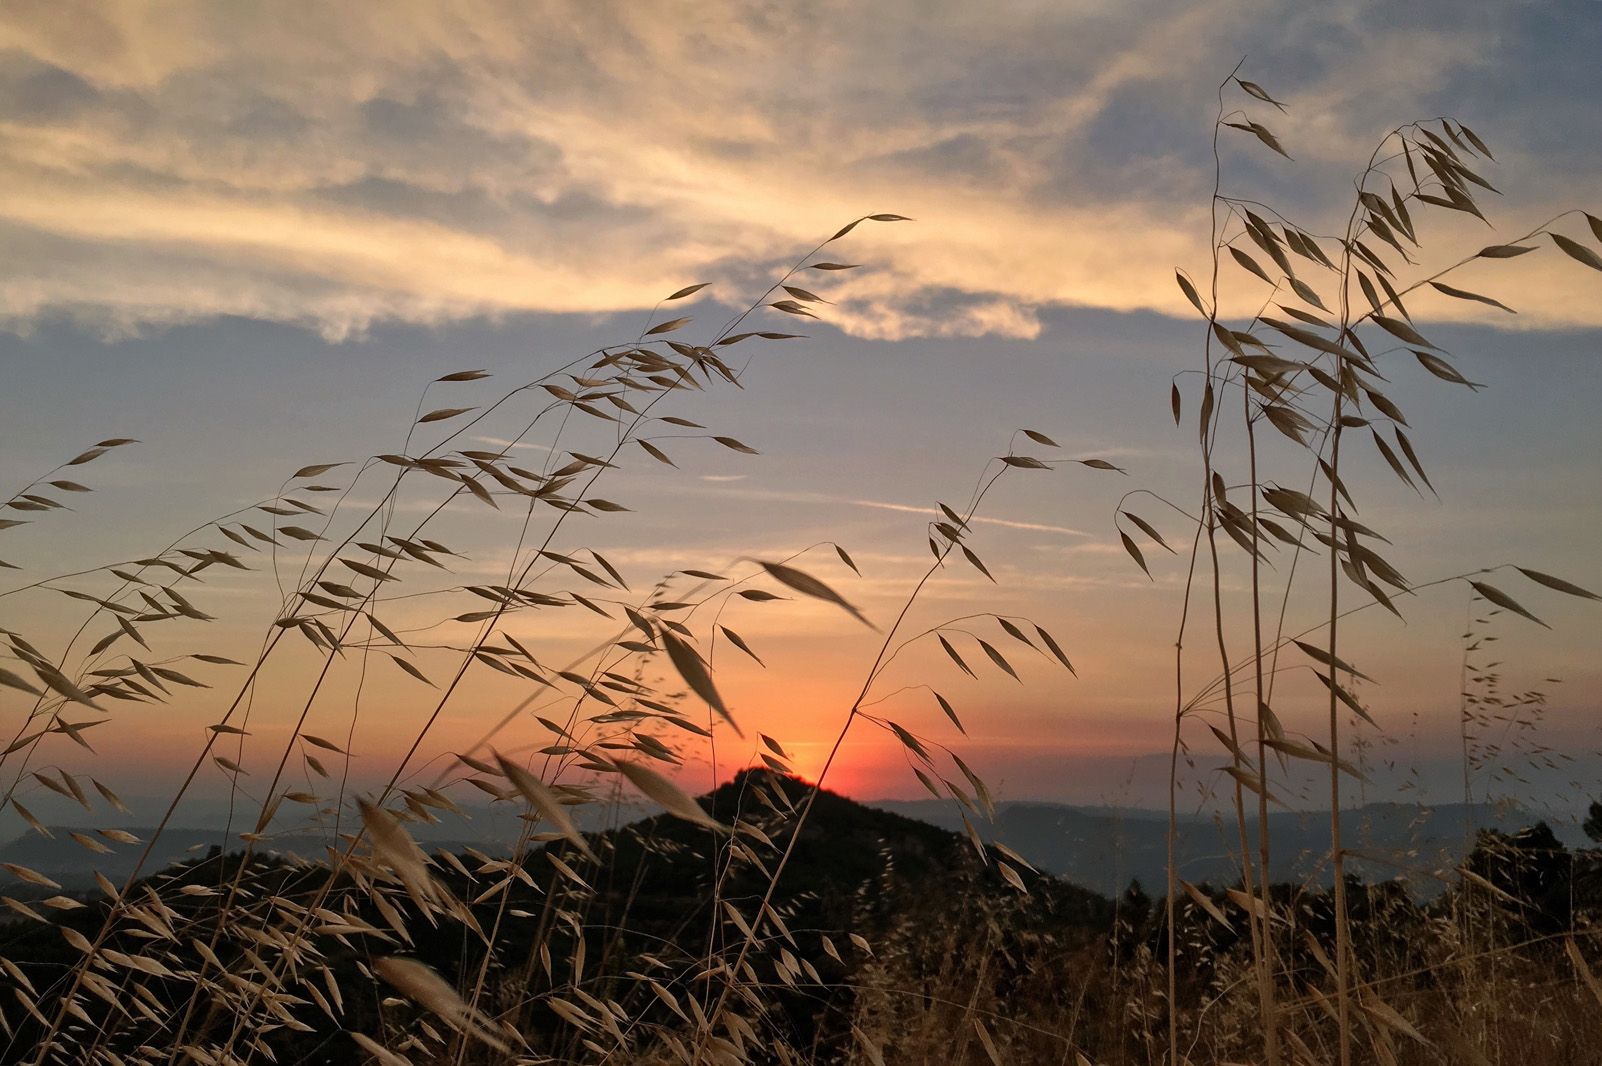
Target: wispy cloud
(502, 442)
(337, 165)
(784, 496)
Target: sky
(249, 236)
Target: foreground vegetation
(897, 939)
(777, 922)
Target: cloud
(339, 165)
(788, 496)
(512, 445)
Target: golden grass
(252, 958)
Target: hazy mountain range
(1099, 848)
(1104, 848)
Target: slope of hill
(662, 897)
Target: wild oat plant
(773, 921)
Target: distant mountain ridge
(1104, 848)
(1098, 848)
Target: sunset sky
(248, 235)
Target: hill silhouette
(854, 875)
(1099, 848)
